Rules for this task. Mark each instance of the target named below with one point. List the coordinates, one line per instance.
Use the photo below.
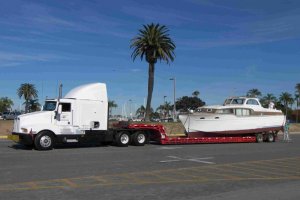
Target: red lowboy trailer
(159, 135)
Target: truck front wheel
(44, 141)
(122, 139)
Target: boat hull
(216, 125)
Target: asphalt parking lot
(203, 171)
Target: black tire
(270, 137)
(122, 139)
(259, 138)
(139, 138)
(44, 141)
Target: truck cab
(84, 109)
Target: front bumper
(26, 139)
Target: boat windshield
(227, 101)
(49, 106)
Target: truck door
(65, 117)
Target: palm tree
(297, 95)
(164, 109)
(111, 105)
(28, 92)
(34, 105)
(286, 98)
(265, 101)
(140, 112)
(196, 93)
(253, 93)
(297, 98)
(154, 43)
(297, 87)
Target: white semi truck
(81, 116)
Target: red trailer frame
(159, 135)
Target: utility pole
(174, 92)
(165, 109)
(60, 91)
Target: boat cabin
(242, 101)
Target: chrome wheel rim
(45, 141)
(141, 138)
(124, 138)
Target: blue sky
(223, 47)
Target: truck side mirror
(59, 110)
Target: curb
(3, 136)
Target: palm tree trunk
(150, 90)
(297, 110)
(26, 106)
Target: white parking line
(198, 160)
(168, 148)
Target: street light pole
(164, 107)
(174, 107)
(130, 113)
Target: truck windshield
(49, 106)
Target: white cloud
(8, 59)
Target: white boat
(238, 115)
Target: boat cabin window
(199, 110)
(225, 111)
(238, 101)
(252, 102)
(242, 112)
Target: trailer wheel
(259, 138)
(139, 138)
(270, 137)
(44, 141)
(122, 139)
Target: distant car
(154, 119)
(167, 120)
(9, 115)
(137, 119)
(1, 116)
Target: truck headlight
(24, 130)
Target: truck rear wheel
(270, 137)
(139, 138)
(259, 138)
(122, 139)
(44, 141)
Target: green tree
(111, 105)
(5, 104)
(196, 93)
(265, 100)
(185, 103)
(253, 93)
(28, 92)
(154, 43)
(286, 99)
